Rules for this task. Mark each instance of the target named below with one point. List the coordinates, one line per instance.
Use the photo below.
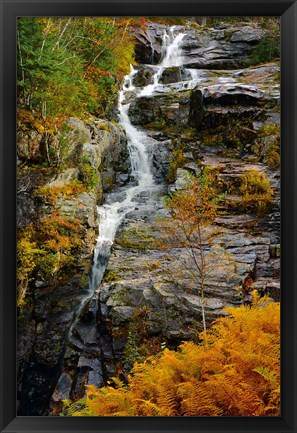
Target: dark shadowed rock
(174, 75)
(143, 76)
(148, 50)
(102, 147)
(196, 112)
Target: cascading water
(171, 56)
(113, 212)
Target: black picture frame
(287, 10)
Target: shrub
(110, 276)
(177, 160)
(267, 50)
(27, 255)
(139, 345)
(46, 249)
(89, 175)
(50, 194)
(256, 193)
(272, 157)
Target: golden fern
(234, 372)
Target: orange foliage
(235, 371)
(46, 248)
(26, 120)
(50, 194)
(94, 72)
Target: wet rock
(148, 50)
(129, 97)
(174, 75)
(196, 112)
(211, 48)
(143, 76)
(122, 178)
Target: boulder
(233, 94)
(64, 177)
(171, 108)
(29, 145)
(143, 76)
(174, 75)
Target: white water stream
(171, 56)
(113, 212)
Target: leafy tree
(191, 211)
(72, 65)
(235, 371)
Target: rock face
(97, 148)
(206, 115)
(216, 119)
(219, 47)
(215, 98)
(148, 50)
(170, 108)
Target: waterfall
(172, 49)
(118, 204)
(171, 56)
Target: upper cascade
(171, 48)
(171, 56)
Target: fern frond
(237, 373)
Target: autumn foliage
(45, 249)
(234, 371)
